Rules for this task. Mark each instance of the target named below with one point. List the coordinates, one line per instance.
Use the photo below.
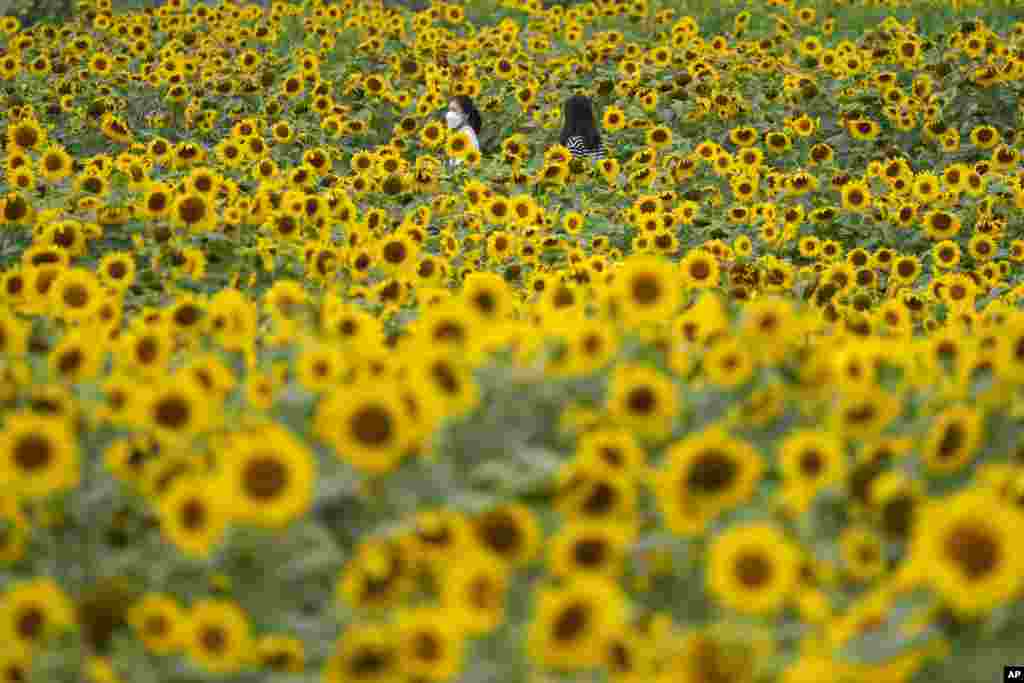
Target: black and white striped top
(578, 146)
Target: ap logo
(1013, 673)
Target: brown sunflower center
(32, 452)
(571, 623)
(30, 623)
(646, 289)
(265, 478)
(214, 639)
(172, 412)
(974, 550)
(372, 425)
(753, 570)
(713, 472)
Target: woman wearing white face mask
(463, 117)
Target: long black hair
(579, 120)
(473, 117)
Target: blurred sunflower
(270, 475)
(367, 426)
(643, 399)
(962, 548)
(39, 455)
(704, 475)
(34, 611)
(752, 568)
(573, 621)
(219, 637)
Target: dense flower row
(241, 292)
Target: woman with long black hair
(464, 117)
(580, 133)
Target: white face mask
(454, 119)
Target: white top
(471, 134)
(578, 147)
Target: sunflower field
(285, 395)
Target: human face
(455, 116)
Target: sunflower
(432, 135)
(510, 533)
(33, 611)
(615, 448)
(648, 289)
(194, 212)
(963, 548)
(270, 475)
(985, 137)
(589, 548)
(659, 137)
(704, 475)
(15, 662)
(488, 296)
(473, 593)
(451, 325)
(160, 622)
(320, 367)
(192, 514)
(76, 358)
(811, 460)
(367, 426)
(218, 637)
(632, 653)
(285, 299)
(906, 269)
(458, 145)
(524, 210)
(76, 294)
(771, 326)
(38, 455)
(55, 164)
(752, 568)
(591, 345)
(379, 575)
(700, 269)
(863, 129)
(946, 254)
(856, 197)
(941, 225)
(729, 364)
(613, 119)
(397, 254)
(926, 188)
(177, 411)
(439, 533)
(982, 248)
(146, 351)
(280, 654)
(157, 200)
(14, 334)
(643, 399)
(365, 653)
(573, 622)
(610, 169)
(445, 381)
(26, 134)
(15, 208)
(863, 553)
(187, 316)
(432, 647)
(953, 440)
